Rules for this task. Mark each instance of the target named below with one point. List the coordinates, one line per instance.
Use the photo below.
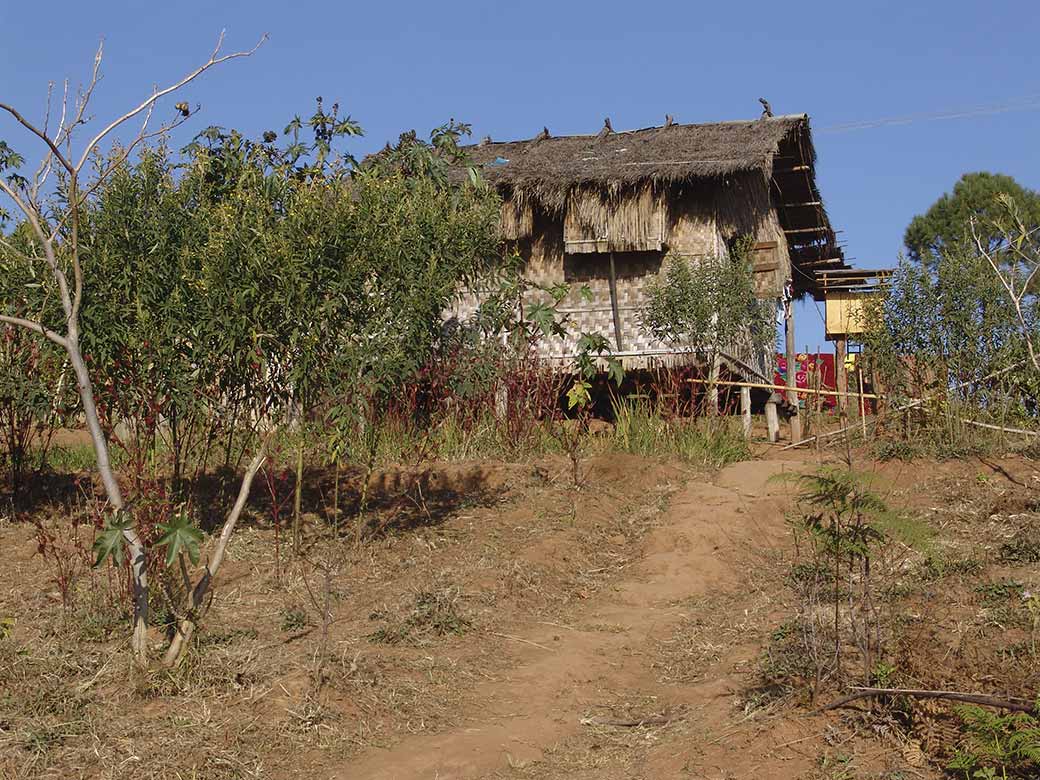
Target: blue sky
(511, 68)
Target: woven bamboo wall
(698, 223)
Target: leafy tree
(947, 223)
(943, 329)
(964, 327)
(708, 306)
(416, 159)
(57, 254)
(1014, 258)
(239, 281)
(36, 388)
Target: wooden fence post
(840, 374)
(792, 371)
(745, 410)
(772, 419)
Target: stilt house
(605, 210)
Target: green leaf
(578, 396)
(111, 542)
(559, 291)
(179, 534)
(544, 317)
(615, 372)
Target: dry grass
(262, 694)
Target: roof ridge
(632, 131)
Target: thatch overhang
(555, 173)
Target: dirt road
(711, 534)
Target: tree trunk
(297, 525)
(186, 627)
(138, 560)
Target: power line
(1028, 103)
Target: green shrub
(997, 746)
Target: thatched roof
(547, 168)
(554, 174)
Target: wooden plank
(814, 263)
(761, 268)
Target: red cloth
(805, 366)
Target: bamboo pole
(818, 385)
(1001, 428)
(911, 405)
(781, 388)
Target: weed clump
(1020, 550)
(433, 614)
(642, 430)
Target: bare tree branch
(1014, 705)
(26, 199)
(197, 597)
(83, 101)
(1008, 280)
(214, 59)
(62, 129)
(36, 328)
(39, 134)
(33, 218)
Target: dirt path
(562, 673)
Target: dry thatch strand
(598, 222)
(517, 220)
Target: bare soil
(506, 625)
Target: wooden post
(501, 400)
(840, 375)
(854, 407)
(745, 410)
(792, 382)
(862, 404)
(772, 421)
(713, 385)
(614, 307)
